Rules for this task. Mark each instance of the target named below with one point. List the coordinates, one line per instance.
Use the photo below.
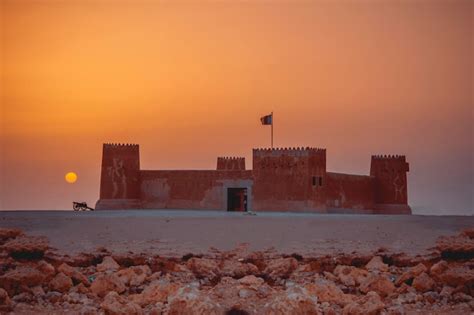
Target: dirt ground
(175, 233)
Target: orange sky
(189, 81)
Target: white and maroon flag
(267, 120)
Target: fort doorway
(236, 199)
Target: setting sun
(70, 177)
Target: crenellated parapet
(381, 163)
(292, 151)
(121, 146)
(293, 160)
(389, 156)
(231, 163)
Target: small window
(317, 181)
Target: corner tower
(119, 179)
(390, 172)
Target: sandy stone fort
(281, 179)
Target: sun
(70, 177)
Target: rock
(114, 304)
(379, 284)
(295, 300)
(108, 264)
(370, 304)
(236, 269)
(134, 276)
(26, 247)
(281, 268)
(25, 276)
(37, 291)
(251, 281)
(330, 276)
(74, 274)
(103, 284)
(327, 291)
(411, 273)
(349, 275)
(46, 269)
(6, 234)
(60, 283)
(376, 264)
(53, 296)
(456, 247)
(189, 301)
(423, 283)
(438, 269)
(458, 276)
(5, 301)
(157, 291)
(203, 268)
(81, 288)
(446, 291)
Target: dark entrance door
(236, 199)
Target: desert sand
(175, 233)
(188, 262)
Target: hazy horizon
(189, 82)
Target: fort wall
(195, 189)
(349, 192)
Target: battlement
(231, 163)
(121, 146)
(298, 151)
(387, 157)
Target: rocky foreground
(35, 279)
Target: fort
(281, 179)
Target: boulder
(72, 272)
(349, 275)
(281, 268)
(376, 264)
(236, 269)
(411, 273)
(5, 302)
(157, 291)
(108, 264)
(134, 276)
(295, 300)
(60, 283)
(460, 275)
(423, 283)
(114, 304)
(251, 281)
(6, 234)
(438, 269)
(188, 300)
(370, 304)
(379, 284)
(203, 268)
(104, 284)
(327, 291)
(457, 247)
(24, 276)
(26, 247)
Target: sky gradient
(188, 81)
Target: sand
(175, 233)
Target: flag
(267, 120)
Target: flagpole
(272, 130)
